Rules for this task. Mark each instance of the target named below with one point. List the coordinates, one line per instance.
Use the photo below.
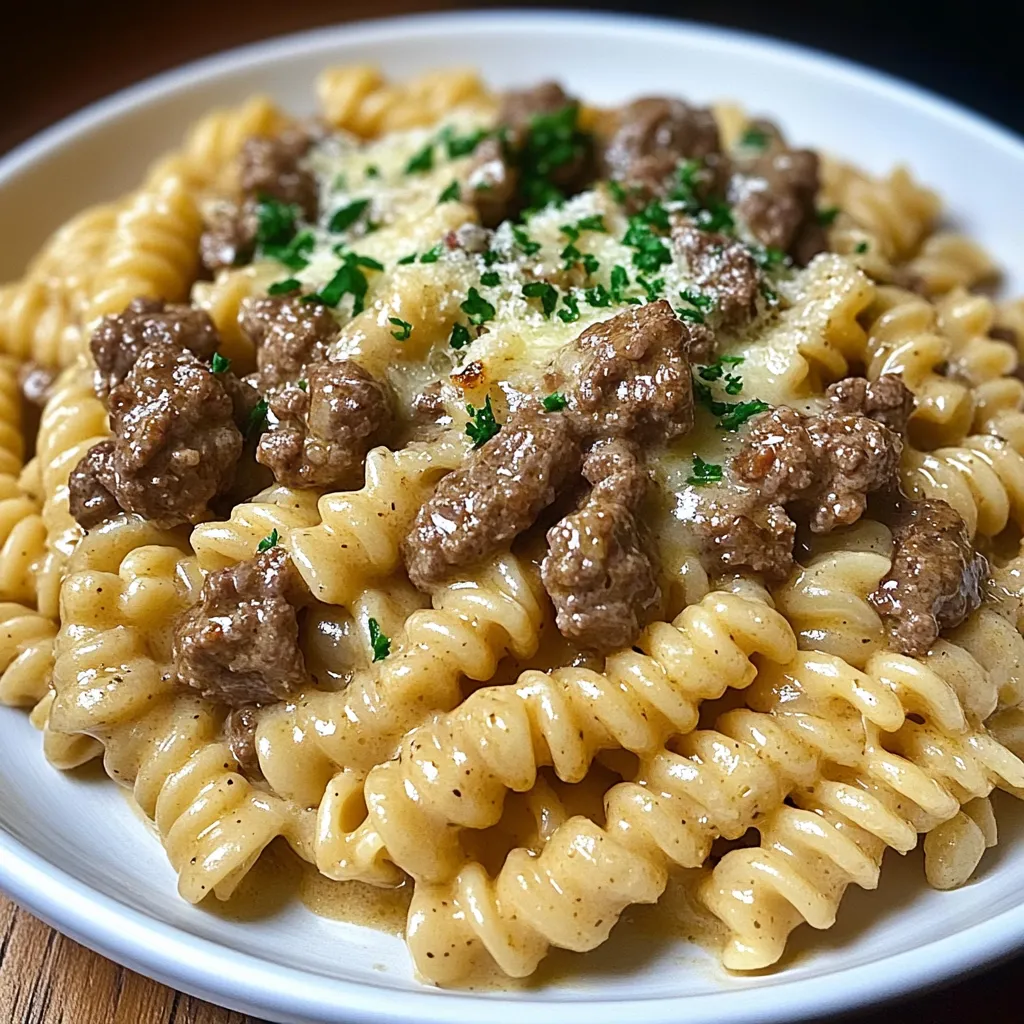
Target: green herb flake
(715, 370)
(461, 145)
(256, 422)
(704, 473)
(552, 141)
(523, 240)
(406, 260)
(490, 257)
(380, 643)
(595, 222)
(432, 255)
(733, 384)
(767, 256)
(477, 308)
(571, 313)
(739, 413)
(716, 216)
(459, 336)
(372, 171)
(617, 191)
(270, 541)
(571, 256)
(827, 215)
(555, 402)
(754, 138)
(285, 287)
(349, 280)
(651, 252)
(219, 363)
(303, 385)
(547, 294)
(652, 289)
(598, 296)
(861, 247)
(275, 222)
(344, 218)
(422, 160)
(404, 328)
(570, 231)
(450, 194)
(591, 264)
(619, 282)
(482, 425)
(490, 279)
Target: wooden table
(46, 978)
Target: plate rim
(232, 978)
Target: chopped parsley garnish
(547, 294)
(552, 141)
(570, 231)
(571, 255)
(716, 216)
(482, 425)
(598, 296)
(652, 289)
(700, 305)
(406, 260)
(704, 473)
(275, 222)
(303, 384)
(827, 215)
(270, 541)
(861, 247)
(219, 363)
(256, 422)
(450, 194)
(591, 264)
(432, 255)
(459, 336)
(619, 282)
(571, 313)
(404, 328)
(490, 279)
(767, 256)
(461, 145)
(555, 402)
(754, 138)
(740, 412)
(771, 296)
(595, 222)
(421, 161)
(477, 308)
(715, 370)
(651, 252)
(348, 215)
(372, 171)
(349, 280)
(289, 284)
(380, 643)
(523, 240)
(490, 257)
(618, 192)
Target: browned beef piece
(289, 335)
(936, 579)
(240, 644)
(654, 135)
(175, 440)
(240, 732)
(324, 432)
(121, 337)
(745, 536)
(722, 269)
(36, 382)
(598, 571)
(494, 177)
(887, 400)
(480, 508)
(825, 465)
(630, 377)
(92, 486)
(271, 166)
(775, 195)
(229, 235)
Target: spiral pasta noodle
(906, 781)
(710, 783)
(473, 623)
(966, 319)
(948, 260)
(358, 99)
(563, 718)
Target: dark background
(58, 57)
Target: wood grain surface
(102, 46)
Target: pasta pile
(769, 730)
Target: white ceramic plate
(72, 851)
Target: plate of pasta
(525, 511)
